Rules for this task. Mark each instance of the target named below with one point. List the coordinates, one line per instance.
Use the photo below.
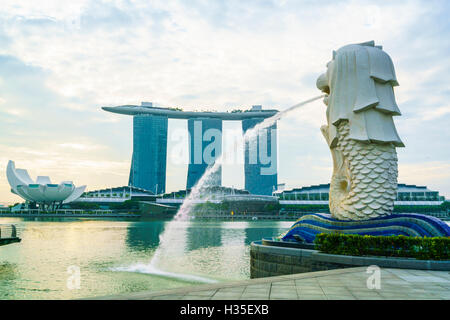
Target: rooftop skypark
(150, 127)
(178, 113)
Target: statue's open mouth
(322, 85)
(326, 89)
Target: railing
(226, 214)
(8, 231)
(71, 212)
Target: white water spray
(150, 269)
(205, 181)
(197, 192)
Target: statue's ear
(383, 73)
(381, 66)
(370, 43)
(365, 95)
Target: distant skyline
(61, 61)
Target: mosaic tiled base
(414, 225)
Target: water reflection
(8, 271)
(257, 232)
(144, 234)
(201, 236)
(36, 268)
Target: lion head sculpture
(360, 80)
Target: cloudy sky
(60, 61)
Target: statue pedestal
(413, 225)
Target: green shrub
(127, 204)
(434, 248)
(272, 207)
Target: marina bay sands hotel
(150, 124)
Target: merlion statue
(362, 138)
(360, 132)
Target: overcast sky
(60, 61)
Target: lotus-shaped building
(41, 191)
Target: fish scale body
(370, 184)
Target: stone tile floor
(341, 284)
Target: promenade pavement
(340, 284)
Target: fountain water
(205, 180)
(197, 192)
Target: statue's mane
(362, 78)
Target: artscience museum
(42, 191)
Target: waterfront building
(116, 195)
(110, 197)
(319, 194)
(42, 191)
(148, 164)
(211, 193)
(224, 200)
(260, 178)
(204, 134)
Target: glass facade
(258, 178)
(205, 145)
(321, 192)
(418, 196)
(148, 163)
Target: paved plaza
(341, 284)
